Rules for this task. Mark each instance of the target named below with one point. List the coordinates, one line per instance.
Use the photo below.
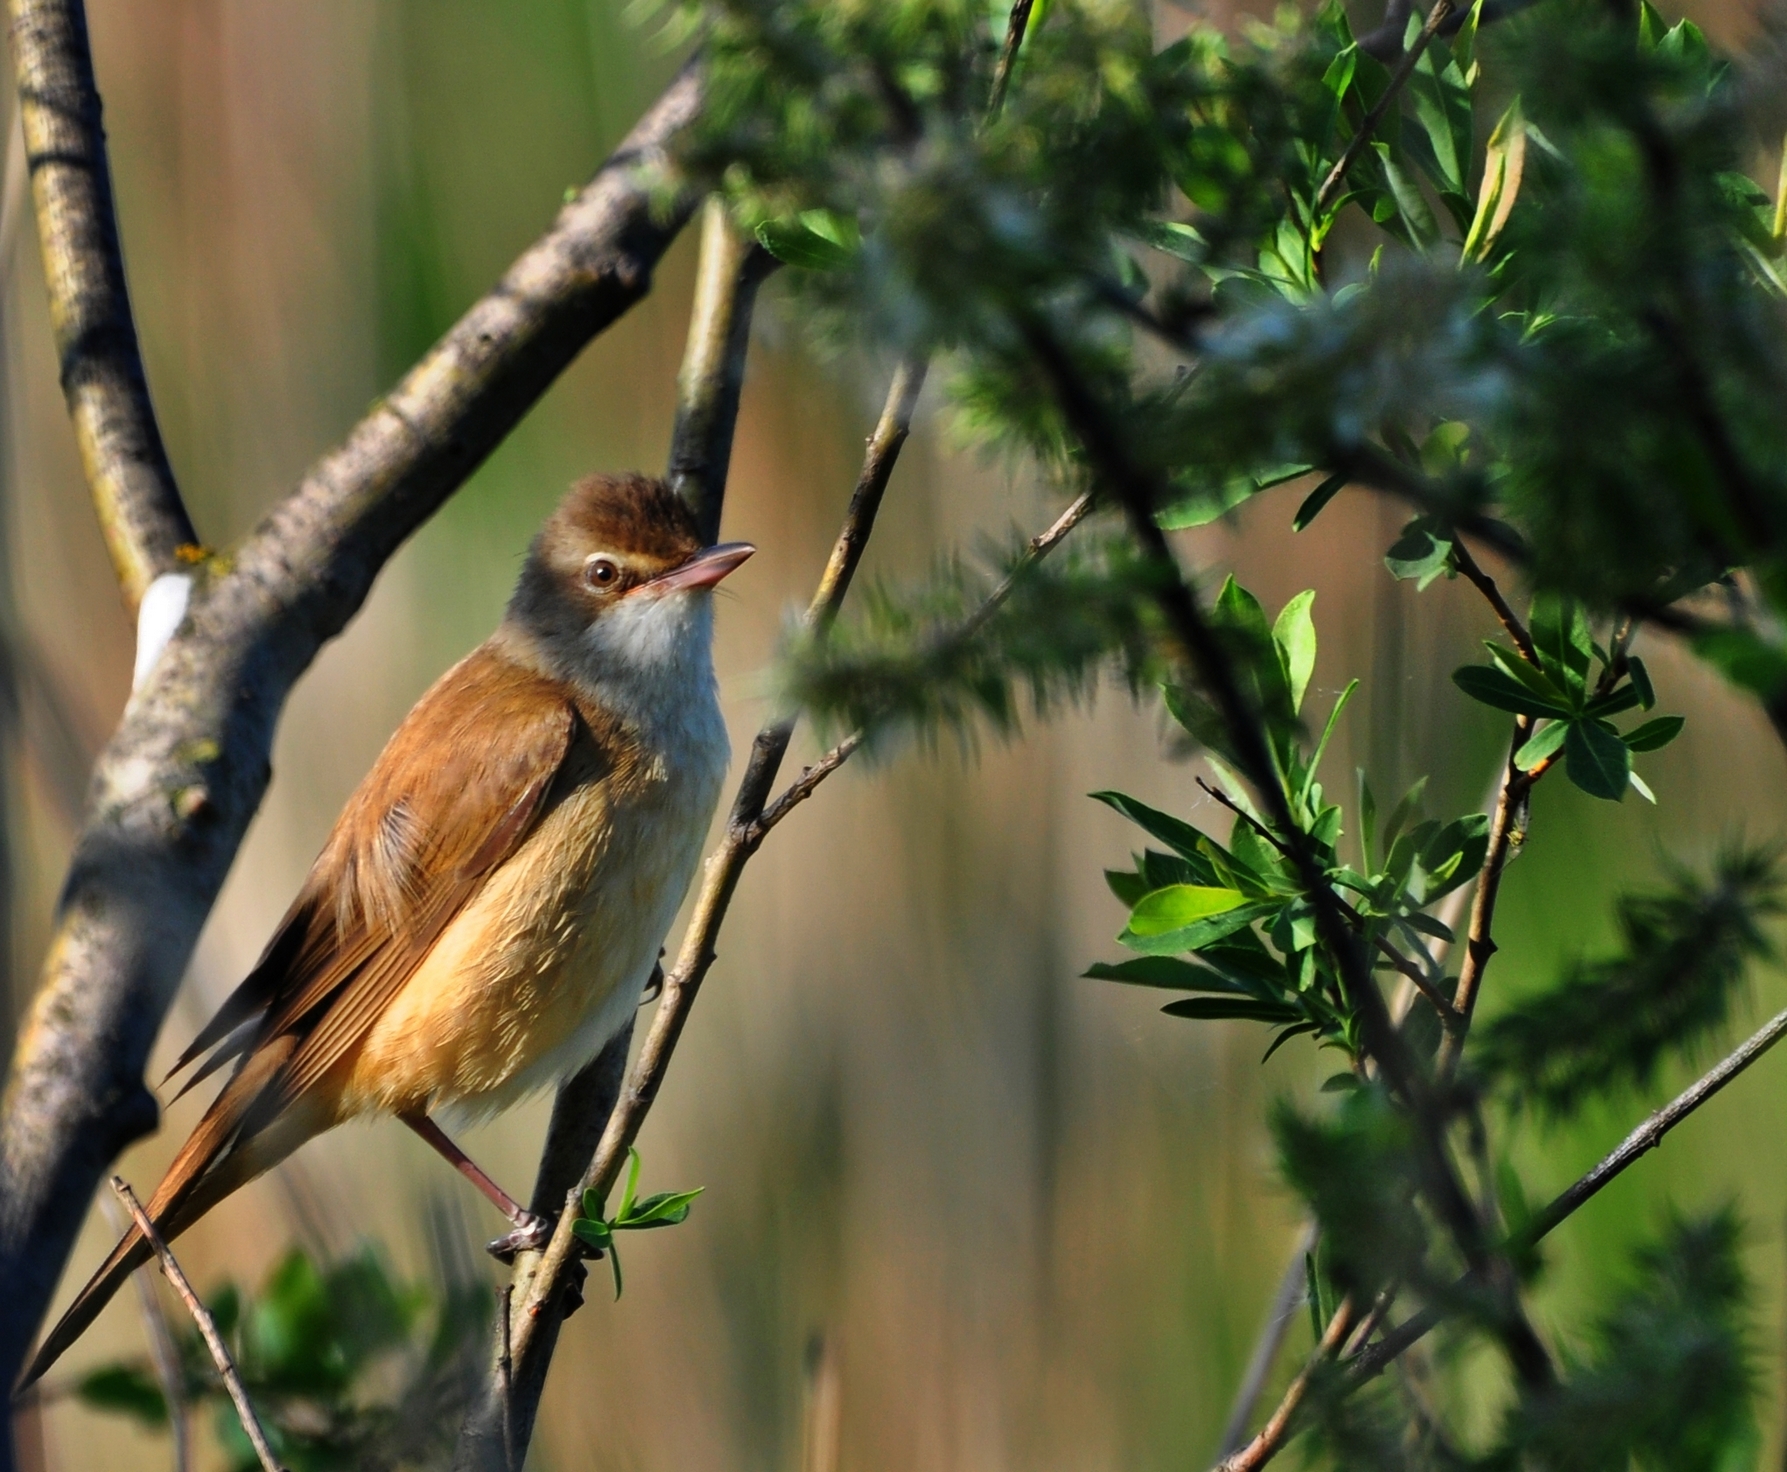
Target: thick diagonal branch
(187, 767)
(140, 510)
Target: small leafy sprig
(666, 1209)
(1573, 713)
(1204, 900)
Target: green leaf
(1561, 635)
(596, 1233)
(1420, 553)
(1179, 836)
(1504, 165)
(1523, 672)
(124, 1390)
(1612, 703)
(1542, 745)
(1493, 687)
(1180, 905)
(1196, 936)
(1453, 854)
(666, 1209)
(1341, 1083)
(1654, 734)
(1127, 885)
(1168, 972)
(626, 1199)
(1405, 809)
(814, 240)
(1367, 821)
(1647, 696)
(1596, 760)
(1642, 788)
(1316, 500)
(1294, 634)
(1321, 746)
(1215, 1009)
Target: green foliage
(1554, 689)
(596, 1230)
(1669, 1383)
(1684, 954)
(931, 656)
(1243, 910)
(346, 1366)
(1542, 306)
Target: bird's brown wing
(459, 786)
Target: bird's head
(616, 592)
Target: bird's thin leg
(531, 1230)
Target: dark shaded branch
(186, 769)
(1356, 145)
(1645, 1138)
(1199, 644)
(140, 510)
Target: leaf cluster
(596, 1230)
(1685, 951)
(973, 642)
(346, 1365)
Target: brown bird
(491, 902)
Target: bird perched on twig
(491, 902)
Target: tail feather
(214, 1161)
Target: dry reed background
(1035, 1220)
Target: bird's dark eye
(600, 572)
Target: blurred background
(1034, 1222)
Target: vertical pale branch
(713, 373)
(140, 510)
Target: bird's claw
(530, 1234)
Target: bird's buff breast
(548, 961)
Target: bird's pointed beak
(702, 570)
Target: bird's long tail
(218, 1158)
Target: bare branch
(140, 510)
(1484, 584)
(1272, 1435)
(1285, 1303)
(220, 1352)
(713, 373)
(164, 1355)
(181, 777)
(1336, 180)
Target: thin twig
(505, 1302)
(140, 511)
(1291, 1293)
(164, 1355)
(1271, 1436)
(1368, 129)
(1015, 28)
(1037, 548)
(1643, 1139)
(207, 1326)
(1484, 584)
